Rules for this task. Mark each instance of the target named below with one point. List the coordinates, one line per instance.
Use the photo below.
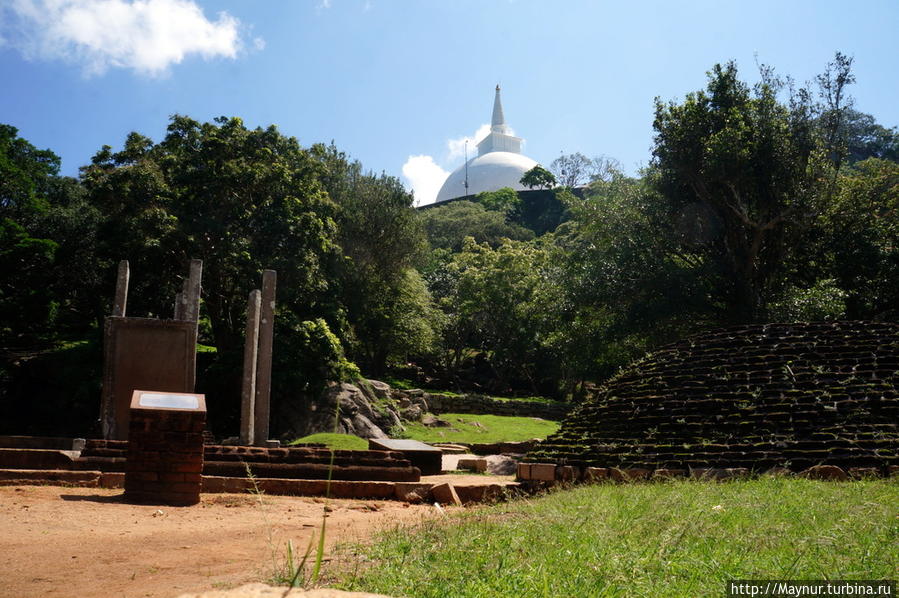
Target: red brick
(545, 472)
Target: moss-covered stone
(775, 395)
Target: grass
(678, 539)
(343, 442)
(492, 428)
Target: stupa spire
(500, 137)
(498, 122)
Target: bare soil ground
(86, 542)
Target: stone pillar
(250, 353)
(181, 300)
(192, 307)
(264, 365)
(121, 290)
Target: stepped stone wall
(309, 461)
(755, 397)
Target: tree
(490, 309)
(448, 225)
(504, 201)
(241, 200)
(750, 169)
(538, 177)
(865, 138)
(26, 256)
(856, 238)
(382, 239)
(572, 170)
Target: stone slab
(48, 477)
(16, 458)
(144, 353)
(42, 442)
(428, 459)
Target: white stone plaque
(171, 401)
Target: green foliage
(538, 177)
(388, 307)
(679, 539)
(744, 174)
(856, 239)
(504, 201)
(242, 200)
(489, 306)
(26, 255)
(470, 429)
(824, 301)
(309, 355)
(447, 226)
(865, 138)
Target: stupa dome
(489, 172)
(499, 162)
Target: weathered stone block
(445, 494)
(631, 474)
(543, 472)
(596, 474)
(567, 473)
(824, 472)
(524, 471)
(476, 465)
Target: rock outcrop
(366, 410)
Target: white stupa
(499, 162)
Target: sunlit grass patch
(669, 539)
(469, 428)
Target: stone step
(49, 477)
(28, 458)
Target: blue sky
(397, 84)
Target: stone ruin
(745, 399)
(160, 452)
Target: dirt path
(85, 542)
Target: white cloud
(425, 177)
(456, 147)
(147, 36)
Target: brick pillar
(165, 449)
